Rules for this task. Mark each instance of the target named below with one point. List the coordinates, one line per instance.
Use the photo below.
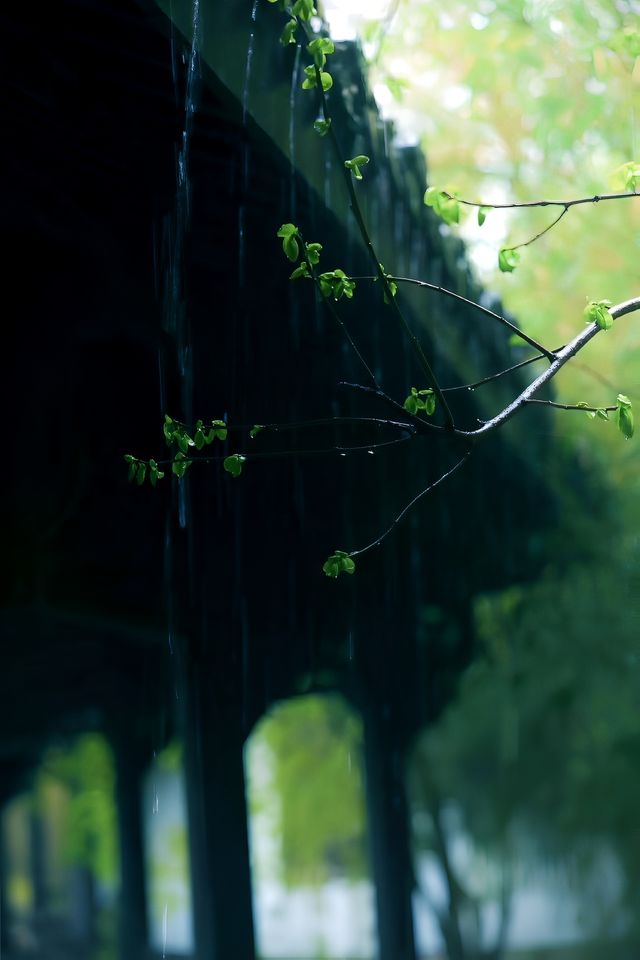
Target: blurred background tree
(536, 762)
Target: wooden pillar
(389, 834)
(133, 930)
(37, 860)
(4, 916)
(217, 810)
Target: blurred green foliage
(314, 746)
(86, 770)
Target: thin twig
(274, 454)
(328, 302)
(550, 226)
(411, 504)
(549, 354)
(571, 406)
(495, 376)
(318, 422)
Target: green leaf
(180, 465)
(443, 203)
(321, 127)
(288, 233)
(313, 252)
(624, 416)
(602, 413)
(304, 9)
(430, 404)
(596, 311)
(153, 472)
(199, 439)
(141, 473)
(288, 35)
(338, 562)
(326, 80)
(302, 270)
(169, 429)
(355, 164)
(219, 429)
(287, 230)
(411, 404)
(129, 458)
(482, 214)
(133, 469)
(508, 259)
(233, 464)
(391, 284)
(183, 441)
(255, 430)
(291, 248)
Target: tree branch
(598, 198)
(563, 356)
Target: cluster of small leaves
(421, 400)
(339, 562)
(203, 434)
(445, 205)
(597, 311)
(336, 284)
(623, 414)
(319, 49)
(312, 251)
(139, 470)
(332, 283)
(355, 163)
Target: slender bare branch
(571, 406)
(550, 226)
(405, 510)
(549, 354)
